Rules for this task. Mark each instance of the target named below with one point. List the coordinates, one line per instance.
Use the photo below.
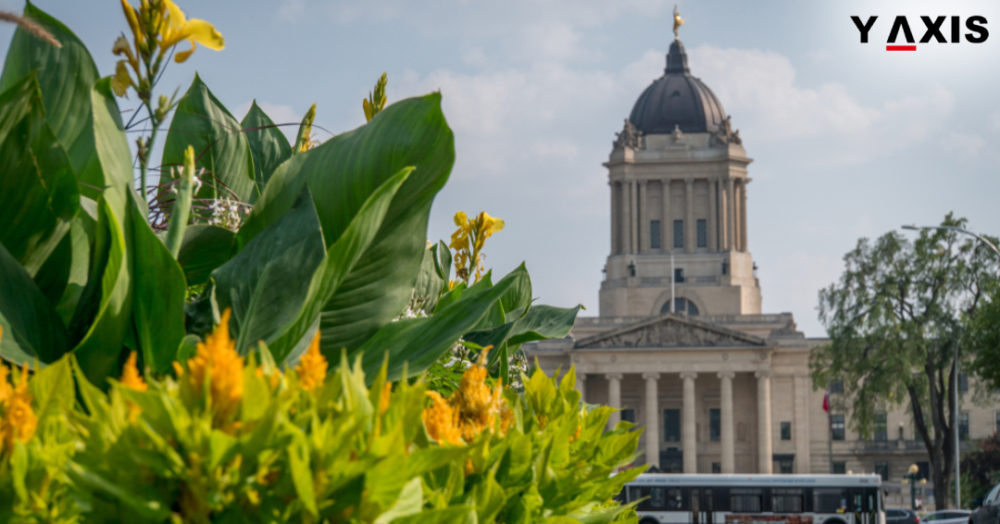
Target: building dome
(677, 99)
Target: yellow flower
(468, 241)
(472, 408)
(177, 28)
(216, 360)
(131, 378)
(19, 420)
(312, 366)
(121, 80)
(383, 399)
(133, 21)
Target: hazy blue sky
(848, 140)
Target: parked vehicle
(947, 516)
(989, 511)
(901, 516)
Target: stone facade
(680, 345)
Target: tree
(982, 339)
(981, 470)
(895, 321)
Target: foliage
(981, 470)
(982, 338)
(236, 440)
(894, 321)
(326, 237)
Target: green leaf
(31, 328)
(52, 389)
(158, 295)
(341, 174)
(63, 276)
(268, 144)
(298, 463)
(450, 515)
(66, 76)
(38, 192)
(416, 343)
(519, 295)
(339, 259)
(430, 284)
(267, 283)
(543, 322)
(203, 249)
(222, 150)
(410, 502)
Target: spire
(677, 59)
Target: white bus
(756, 499)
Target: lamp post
(912, 479)
(984, 240)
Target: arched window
(682, 306)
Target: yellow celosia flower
(383, 399)
(217, 361)
(131, 378)
(18, 420)
(312, 366)
(472, 408)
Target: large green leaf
(221, 148)
(433, 277)
(31, 328)
(158, 294)
(268, 144)
(543, 322)
(335, 265)
(341, 174)
(66, 76)
(203, 249)
(267, 283)
(38, 192)
(418, 342)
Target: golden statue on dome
(678, 21)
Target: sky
(848, 140)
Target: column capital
(727, 374)
(580, 376)
(688, 375)
(613, 376)
(689, 180)
(762, 373)
(651, 376)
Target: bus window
(658, 498)
(675, 501)
(746, 500)
(786, 500)
(829, 500)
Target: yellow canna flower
(131, 378)
(216, 360)
(133, 21)
(122, 80)
(177, 27)
(312, 366)
(468, 241)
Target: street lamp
(911, 479)
(984, 240)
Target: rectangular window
(672, 425)
(784, 463)
(830, 500)
(837, 427)
(702, 227)
(787, 500)
(654, 234)
(924, 470)
(628, 415)
(839, 467)
(836, 387)
(882, 470)
(678, 233)
(678, 278)
(963, 383)
(881, 427)
(963, 425)
(786, 431)
(748, 500)
(716, 467)
(715, 424)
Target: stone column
(643, 229)
(712, 219)
(626, 216)
(764, 451)
(689, 441)
(723, 216)
(731, 211)
(689, 215)
(614, 398)
(743, 216)
(666, 223)
(800, 429)
(652, 409)
(581, 385)
(728, 442)
(614, 217)
(634, 218)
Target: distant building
(680, 344)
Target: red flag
(826, 401)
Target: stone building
(680, 344)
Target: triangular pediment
(668, 331)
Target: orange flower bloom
(472, 408)
(217, 361)
(131, 378)
(312, 366)
(19, 420)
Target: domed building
(680, 344)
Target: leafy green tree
(982, 339)
(895, 321)
(981, 469)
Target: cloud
(966, 146)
